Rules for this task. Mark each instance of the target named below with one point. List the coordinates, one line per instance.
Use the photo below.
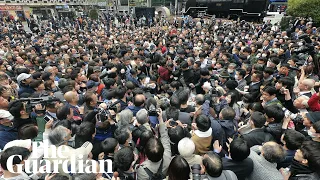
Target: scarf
(298, 168)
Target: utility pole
(176, 7)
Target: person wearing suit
(256, 136)
(237, 161)
(254, 87)
(266, 45)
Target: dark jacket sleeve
(289, 105)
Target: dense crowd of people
(179, 100)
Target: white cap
(5, 114)
(23, 76)
(207, 85)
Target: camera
(152, 111)
(196, 172)
(32, 102)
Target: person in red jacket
(314, 102)
(165, 72)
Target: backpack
(155, 176)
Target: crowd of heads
(180, 98)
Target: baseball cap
(4, 114)
(23, 76)
(313, 116)
(91, 84)
(224, 74)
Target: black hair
(15, 150)
(293, 139)
(256, 106)
(212, 164)
(175, 84)
(204, 72)
(231, 84)
(67, 88)
(259, 75)
(121, 135)
(228, 113)
(275, 112)
(258, 67)
(144, 138)
(239, 149)
(286, 81)
(271, 90)
(130, 85)
(88, 97)
(74, 74)
(179, 169)
(28, 131)
(203, 123)
(120, 92)
(247, 49)
(176, 134)
(108, 82)
(174, 101)
(258, 119)
(15, 107)
(84, 133)
(123, 159)
(311, 151)
(234, 98)
(268, 70)
(183, 96)
(154, 150)
(63, 112)
(109, 145)
(111, 93)
(316, 126)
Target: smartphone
(46, 118)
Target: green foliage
(284, 23)
(93, 14)
(304, 8)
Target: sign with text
(8, 8)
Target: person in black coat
(238, 160)
(305, 165)
(256, 136)
(187, 73)
(254, 87)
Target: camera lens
(196, 168)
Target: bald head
(199, 99)
(308, 84)
(301, 102)
(71, 97)
(139, 100)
